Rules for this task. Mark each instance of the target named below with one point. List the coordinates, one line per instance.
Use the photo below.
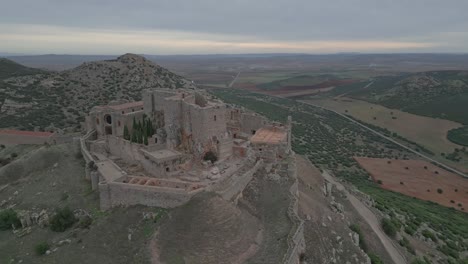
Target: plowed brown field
(420, 179)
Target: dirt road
(371, 219)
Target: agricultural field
(296, 85)
(438, 94)
(431, 133)
(297, 81)
(420, 179)
(330, 142)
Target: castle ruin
(174, 144)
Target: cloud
(279, 25)
(52, 39)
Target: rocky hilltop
(34, 99)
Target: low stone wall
(13, 139)
(86, 154)
(122, 194)
(124, 149)
(231, 186)
(116, 193)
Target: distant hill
(9, 68)
(31, 98)
(441, 94)
(395, 62)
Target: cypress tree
(145, 139)
(140, 137)
(126, 134)
(134, 125)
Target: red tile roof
(26, 133)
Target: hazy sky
(234, 26)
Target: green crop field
(301, 80)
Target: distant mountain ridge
(36, 99)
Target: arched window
(214, 118)
(97, 121)
(108, 119)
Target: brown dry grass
(420, 179)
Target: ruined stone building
(175, 143)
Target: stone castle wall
(230, 187)
(296, 241)
(122, 194)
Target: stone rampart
(230, 187)
(123, 194)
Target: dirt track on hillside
(371, 219)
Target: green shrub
(362, 242)
(64, 196)
(420, 261)
(409, 229)
(428, 234)
(389, 227)
(41, 248)
(62, 220)
(374, 258)
(85, 222)
(449, 251)
(8, 219)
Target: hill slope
(61, 99)
(441, 94)
(9, 68)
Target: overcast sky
(234, 26)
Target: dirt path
(371, 219)
(363, 88)
(234, 80)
